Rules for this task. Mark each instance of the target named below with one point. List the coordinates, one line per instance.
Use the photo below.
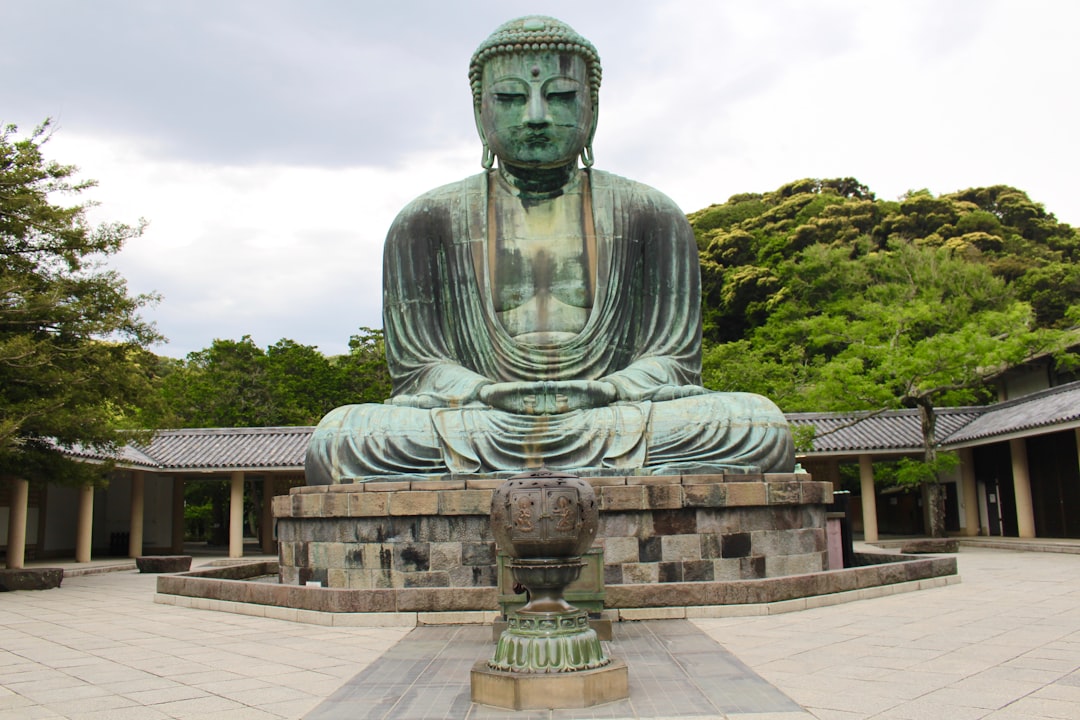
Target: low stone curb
(30, 579)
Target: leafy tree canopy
(823, 297)
(73, 361)
(235, 383)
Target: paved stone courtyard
(1003, 644)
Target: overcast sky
(270, 142)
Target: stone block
(622, 497)
(655, 480)
(387, 486)
(783, 493)
(310, 490)
(930, 545)
(705, 495)
(465, 502)
(609, 481)
(783, 565)
(766, 542)
(638, 573)
(483, 483)
(445, 555)
(727, 569)
(525, 691)
(438, 485)
(735, 545)
(613, 574)
(663, 497)
(620, 549)
(698, 571)
(281, 506)
(620, 524)
(335, 505)
(473, 576)
(752, 567)
(816, 493)
(12, 579)
(414, 503)
(710, 547)
(473, 553)
(680, 548)
(745, 477)
(703, 479)
(337, 578)
(412, 556)
(650, 550)
(670, 572)
(720, 521)
(161, 564)
(427, 579)
(674, 522)
(368, 504)
(745, 493)
(306, 505)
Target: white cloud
(270, 151)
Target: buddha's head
(535, 85)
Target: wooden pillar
(16, 535)
(236, 515)
(269, 547)
(869, 500)
(177, 544)
(138, 495)
(1025, 512)
(84, 531)
(970, 491)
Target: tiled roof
(128, 455)
(230, 448)
(1056, 406)
(895, 430)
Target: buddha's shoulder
(637, 193)
(445, 196)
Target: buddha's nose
(537, 110)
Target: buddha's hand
(548, 397)
(674, 392)
(424, 401)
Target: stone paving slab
(676, 671)
(1004, 644)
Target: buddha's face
(536, 110)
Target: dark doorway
(993, 468)
(1055, 484)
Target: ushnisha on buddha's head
(535, 84)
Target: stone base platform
(30, 579)
(236, 589)
(538, 691)
(415, 534)
(163, 563)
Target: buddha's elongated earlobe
(487, 159)
(587, 152)
(587, 156)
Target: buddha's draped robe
(643, 335)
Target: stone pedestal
(532, 691)
(653, 530)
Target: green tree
(364, 375)
(235, 383)
(73, 361)
(870, 305)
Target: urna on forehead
(535, 33)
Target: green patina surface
(544, 313)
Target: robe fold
(643, 336)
